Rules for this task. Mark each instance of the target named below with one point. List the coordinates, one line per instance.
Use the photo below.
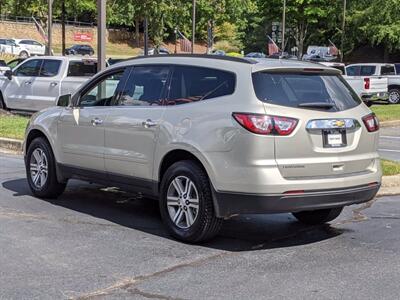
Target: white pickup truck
(39, 81)
(369, 88)
(379, 70)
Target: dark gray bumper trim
(227, 204)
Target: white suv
(212, 137)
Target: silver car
(211, 137)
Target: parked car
(387, 71)
(80, 50)
(369, 88)
(31, 47)
(255, 55)
(211, 137)
(8, 46)
(159, 51)
(38, 81)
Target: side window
(102, 92)
(367, 70)
(145, 86)
(50, 68)
(191, 84)
(30, 68)
(388, 70)
(84, 68)
(353, 71)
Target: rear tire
(317, 217)
(3, 106)
(41, 170)
(24, 54)
(394, 96)
(186, 203)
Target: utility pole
(49, 26)
(146, 36)
(283, 26)
(343, 30)
(101, 35)
(63, 26)
(193, 24)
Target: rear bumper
(375, 96)
(228, 204)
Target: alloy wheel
(183, 202)
(394, 97)
(39, 168)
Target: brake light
(265, 124)
(367, 83)
(371, 122)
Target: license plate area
(334, 138)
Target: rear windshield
(312, 91)
(82, 68)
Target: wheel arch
(394, 86)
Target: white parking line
(390, 137)
(389, 150)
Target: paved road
(389, 144)
(98, 243)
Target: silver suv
(212, 137)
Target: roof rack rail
(209, 56)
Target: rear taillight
(265, 124)
(371, 122)
(367, 83)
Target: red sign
(83, 37)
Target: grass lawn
(12, 126)
(387, 112)
(390, 167)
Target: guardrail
(21, 19)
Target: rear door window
(367, 70)
(145, 86)
(191, 84)
(319, 91)
(50, 68)
(82, 68)
(353, 71)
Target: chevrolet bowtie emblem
(338, 123)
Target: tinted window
(82, 68)
(25, 42)
(296, 90)
(102, 92)
(29, 68)
(190, 84)
(388, 70)
(145, 86)
(50, 68)
(2, 42)
(367, 70)
(353, 71)
(3, 63)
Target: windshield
(317, 91)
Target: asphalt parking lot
(96, 243)
(389, 144)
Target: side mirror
(64, 100)
(8, 74)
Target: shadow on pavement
(242, 233)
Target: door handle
(53, 83)
(96, 121)
(149, 123)
(28, 82)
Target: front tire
(317, 217)
(41, 170)
(186, 203)
(394, 96)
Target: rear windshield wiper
(317, 105)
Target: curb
(11, 144)
(394, 123)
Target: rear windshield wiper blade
(317, 105)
